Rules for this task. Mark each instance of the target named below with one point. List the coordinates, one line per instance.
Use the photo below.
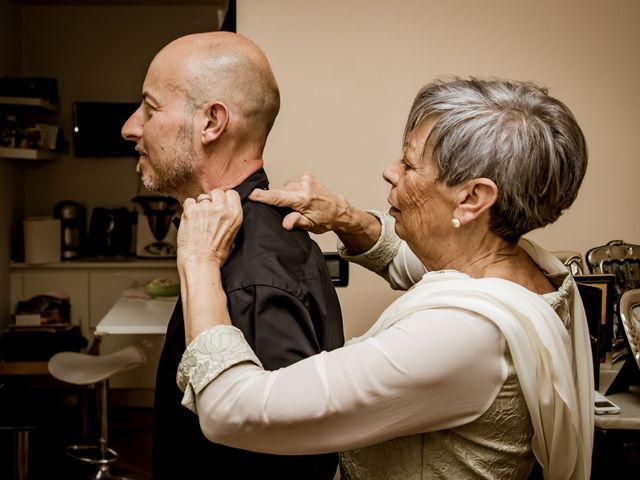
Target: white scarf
(553, 366)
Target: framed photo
(598, 297)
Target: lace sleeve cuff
(378, 257)
(207, 356)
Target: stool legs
(104, 455)
(103, 405)
(22, 454)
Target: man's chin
(150, 184)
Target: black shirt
(280, 295)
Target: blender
(155, 237)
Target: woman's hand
(205, 239)
(208, 227)
(317, 209)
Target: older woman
(482, 367)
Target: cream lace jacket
(430, 391)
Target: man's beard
(177, 169)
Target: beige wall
(11, 177)
(348, 72)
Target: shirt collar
(257, 179)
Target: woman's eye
(405, 165)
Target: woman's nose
(132, 128)
(390, 174)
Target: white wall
(348, 72)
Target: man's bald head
(228, 68)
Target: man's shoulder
(269, 255)
(264, 222)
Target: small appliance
(72, 228)
(156, 238)
(110, 231)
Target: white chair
(85, 369)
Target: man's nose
(132, 128)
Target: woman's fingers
(277, 197)
(316, 208)
(209, 226)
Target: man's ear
(217, 118)
(474, 198)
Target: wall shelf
(28, 105)
(27, 154)
(34, 103)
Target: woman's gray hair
(527, 142)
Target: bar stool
(84, 369)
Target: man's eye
(148, 109)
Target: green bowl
(162, 290)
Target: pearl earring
(455, 222)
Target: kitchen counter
(137, 316)
(100, 262)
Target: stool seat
(84, 369)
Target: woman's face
(421, 207)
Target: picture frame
(597, 292)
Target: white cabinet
(93, 287)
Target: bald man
(208, 104)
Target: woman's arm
(422, 374)
(366, 237)
(389, 257)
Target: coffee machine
(73, 227)
(156, 237)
